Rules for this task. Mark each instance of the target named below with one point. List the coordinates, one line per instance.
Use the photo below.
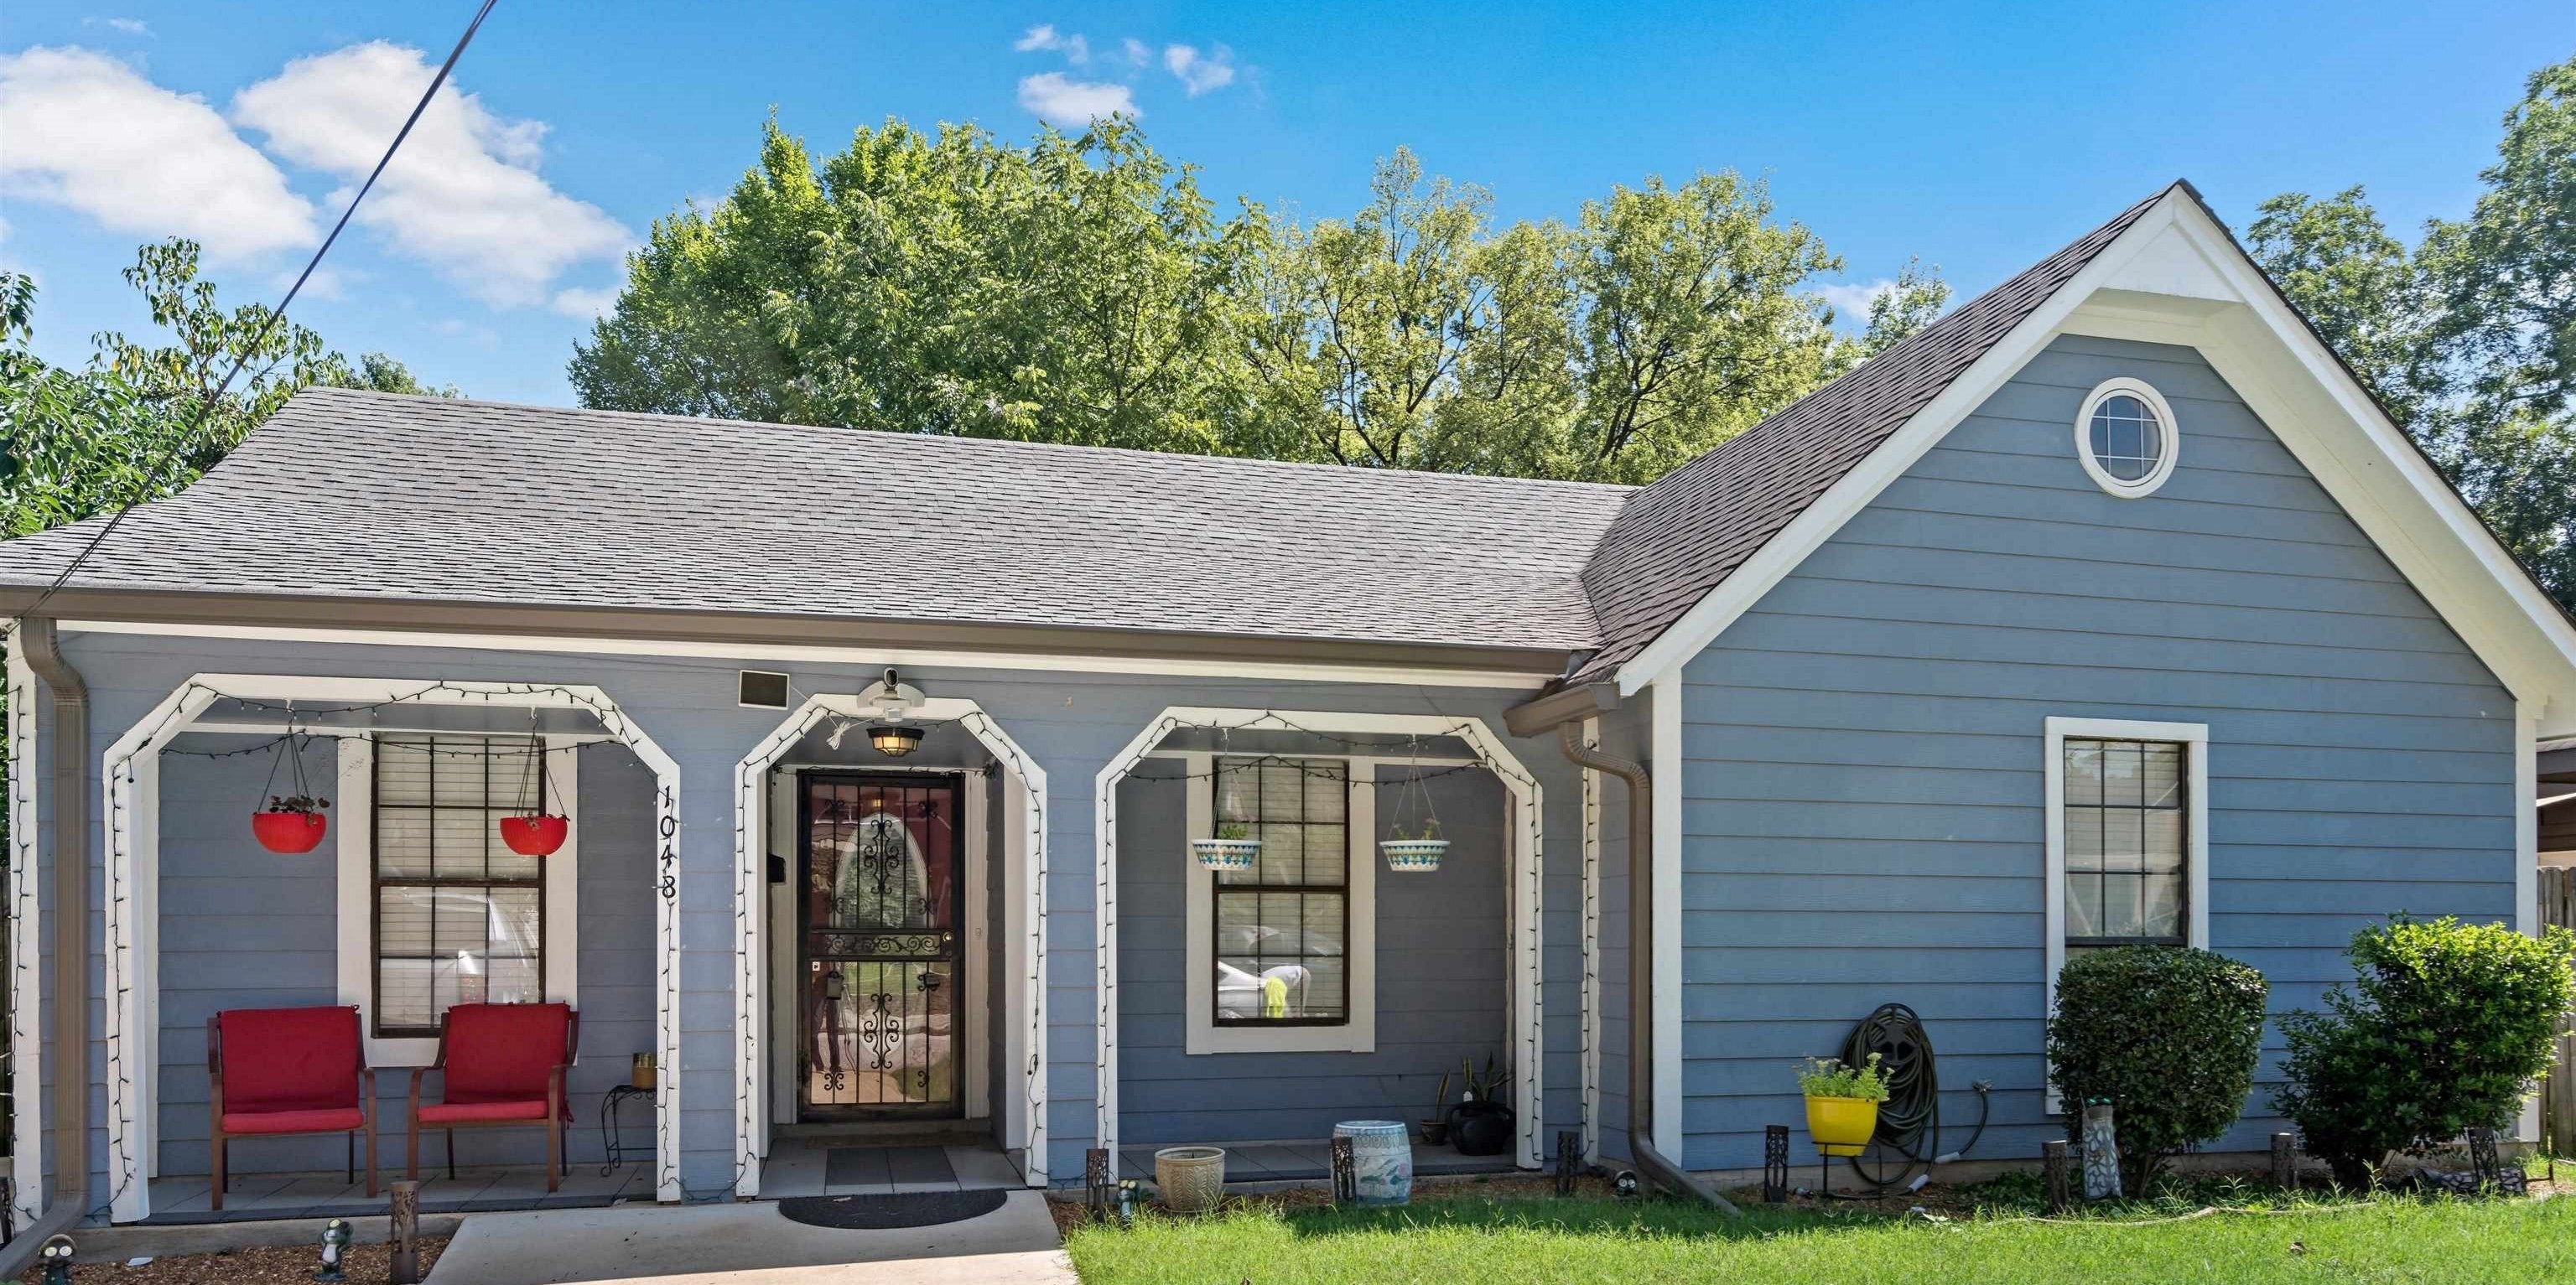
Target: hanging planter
(537, 832)
(1412, 856)
(1234, 848)
(1414, 851)
(290, 825)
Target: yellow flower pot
(1841, 1126)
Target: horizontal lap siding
(1863, 809)
(1442, 954)
(242, 927)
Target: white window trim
(2195, 739)
(355, 865)
(2124, 386)
(1359, 1034)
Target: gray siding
(1863, 785)
(242, 927)
(1071, 723)
(1441, 994)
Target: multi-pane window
(459, 917)
(1281, 926)
(2125, 842)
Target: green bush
(2445, 1029)
(2169, 1034)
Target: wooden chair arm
(215, 1068)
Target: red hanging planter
(282, 830)
(535, 836)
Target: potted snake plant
(1842, 1103)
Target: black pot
(1480, 1128)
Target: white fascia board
(1854, 491)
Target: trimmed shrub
(2169, 1034)
(2445, 1028)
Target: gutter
(1566, 710)
(68, 845)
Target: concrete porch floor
(862, 1166)
(1306, 1160)
(475, 1189)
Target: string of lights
(27, 1197)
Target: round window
(2125, 436)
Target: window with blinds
(1281, 926)
(2126, 845)
(459, 917)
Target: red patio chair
(273, 1072)
(505, 1065)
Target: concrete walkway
(749, 1244)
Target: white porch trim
(2526, 861)
(1025, 779)
(130, 770)
(1524, 837)
(1592, 1035)
(26, 955)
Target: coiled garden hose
(1909, 1121)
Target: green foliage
(2444, 1029)
(2471, 339)
(1827, 1077)
(2168, 1034)
(1081, 289)
(85, 441)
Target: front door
(878, 953)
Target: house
(2108, 608)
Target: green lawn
(1464, 1241)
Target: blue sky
(1977, 136)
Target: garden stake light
(1346, 1171)
(405, 1267)
(335, 1250)
(2052, 1158)
(1569, 1160)
(1775, 1164)
(57, 1258)
(2285, 1161)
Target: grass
(1463, 1240)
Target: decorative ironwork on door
(879, 906)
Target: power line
(206, 405)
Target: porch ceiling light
(895, 701)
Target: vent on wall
(763, 690)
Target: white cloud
(88, 133)
(130, 26)
(1200, 73)
(586, 304)
(1075, 49)
(463, 195)
(1061, 101)
(325, 283)
(1139, 53)
(1851, 300)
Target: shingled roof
(366, 495)
(1678, 539)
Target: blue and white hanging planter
(1410, 852)
(1412, 855)
(1226, 854)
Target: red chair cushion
(289, 1059)
(335, 1120)
(502, 1053)
(485, 1112)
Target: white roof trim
(2175, 276)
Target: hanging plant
(1233, 848)
(290, 823)
(1415, 851)
(536, 832)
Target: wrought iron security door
(880, 945)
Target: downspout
(68, 843)
(1567, 710)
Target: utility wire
(206, 405)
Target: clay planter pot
(1841, 1126)
(289, 831)
(1191, 1179)
(1225, 854)
(536, 836)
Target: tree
(84, 441)
(2470, 341)
(1075, 290)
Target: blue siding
(1863, 789)
(1442, 956)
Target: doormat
(884, 1213)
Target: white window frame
(2124, 386)
(1358, 1035)
(2194, 738)
(355, 810)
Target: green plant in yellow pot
(1842, 1103)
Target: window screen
(459, 917)
(1280, 926)
(2125, 845)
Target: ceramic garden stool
(1381, 1160)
